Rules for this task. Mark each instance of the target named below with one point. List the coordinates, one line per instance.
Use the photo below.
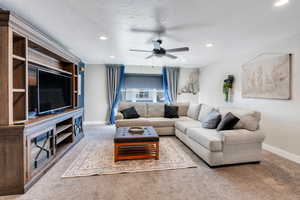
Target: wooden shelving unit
(35, 144)
(20, 85)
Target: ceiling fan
(158, 51)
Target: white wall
(135, 69)
(280, 118)
(95, 94)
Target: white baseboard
(282, 153)
(94, 123)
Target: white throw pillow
(204, 111)
(193, 111)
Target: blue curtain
(165, 85)
(115, 75)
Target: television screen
(54, 91)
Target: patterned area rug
(97, 159)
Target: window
(142, 88)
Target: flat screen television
(54, 92)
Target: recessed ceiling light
(102, 37)
(112, 57)
(183, 59)
(281, 3)
(209, 45)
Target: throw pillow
(228, 122)
(205, 109)
(171, 111)
(212, 120)
(130, 113)
(248, 122)
(193, 111)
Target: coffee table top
(123, 135)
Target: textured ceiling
(233, 26)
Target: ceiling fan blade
(178, 49)
(143, 30)
(139, 50)
(170, 56)
(149, 56)
(190, 26)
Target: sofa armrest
(242, 136)
(119, 116)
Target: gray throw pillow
(228, 122)
(212, 120)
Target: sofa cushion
(133, 122)
(140, 107)
(171, 111)
(182, 108)
(193, 111)
(165, 122)
(208, 138)
(242, 136)
(181, 118)
(183, 125)
(204, 110)
(161, 122)
(156, 109)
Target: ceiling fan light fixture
(280, 3)
(208, 45)
(103, 37)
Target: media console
(29, 147)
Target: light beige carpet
(97, 159)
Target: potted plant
(227, 86)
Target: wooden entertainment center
(30, 146)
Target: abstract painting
(191, 81)
(267, 76)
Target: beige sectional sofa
(215, 148)
(152, 114)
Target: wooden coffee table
(130, 146)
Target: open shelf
(20, 122)
(19, 45)
(49, 66)
(19, 74)
(64, 131)
(61, 128)
(19, 90)
(19, 58)
(62, 137)
(19, 111)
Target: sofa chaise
(243, 144)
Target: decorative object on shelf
(267, 76)
(227, 87)
(82, 69)
(136, 130)
(191, 85)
